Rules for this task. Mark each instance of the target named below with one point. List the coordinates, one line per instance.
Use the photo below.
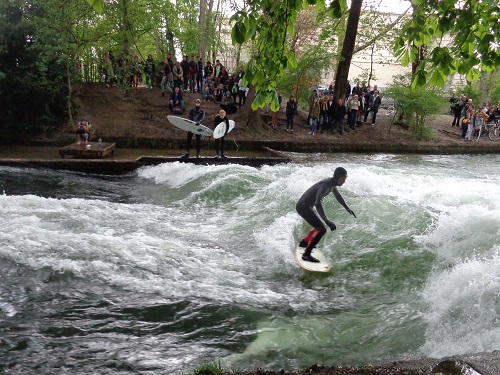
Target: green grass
(210, 368)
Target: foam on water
(419, 261)
(137, 247)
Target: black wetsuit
(196, 114)
(310, 207)
(219, 143)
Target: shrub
(211, 368)
(471, 91)
(416, 106)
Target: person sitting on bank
(228, 104)
(176, 103)
(83, 130)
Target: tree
(416, 106)
(464, 37)
(347, 49)
(310, 66)
(41, 40)
(269, 23)
(312, 44)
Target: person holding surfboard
(219, 142)
(197, 115)
(310, 207)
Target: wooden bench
(90, 150)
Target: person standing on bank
(197, 115)
(291, 108)
(219, 143)
(375, 103)
(310, 208)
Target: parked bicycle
(493, 131)
(391, 110)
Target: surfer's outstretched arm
(341, 200)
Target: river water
(177, 265)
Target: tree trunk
(248, 117)
(207, 26)
(217, 39)
(70, 94)
(347, 49)
(158, 46)
(238, 56)
(370, 75)
(202, 48)
(421, 51)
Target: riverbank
(136, 121)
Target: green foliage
(299, 80)
(33, 89)
(364, 76)
(473, 27)
(211, 368)
(98, 5)
(269, 23)
(312, 60)
(421, 132)
(495, 94)
(471, 91)
(403, 80)
(416, 105)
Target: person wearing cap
(196, 114)
(310, 208)
(83, 130)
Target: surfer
(219, 143)
(197, 115)
(310, 207)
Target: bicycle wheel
(494, 135)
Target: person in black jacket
(338, 116)
(196, 114)
(291, 108)
(219, 143)
(456, 110)
(185, 72)
(375, 103)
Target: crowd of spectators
(471, 118)
(327, 114)
(212, 80)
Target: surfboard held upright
(322, 266)
(220, 130)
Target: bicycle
(391, 110)
(493, 131)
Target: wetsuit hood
(339, 172)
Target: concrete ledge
(113, 167)
(90, 150)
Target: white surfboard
(322, 266)
(189, 126)
(220, 130)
